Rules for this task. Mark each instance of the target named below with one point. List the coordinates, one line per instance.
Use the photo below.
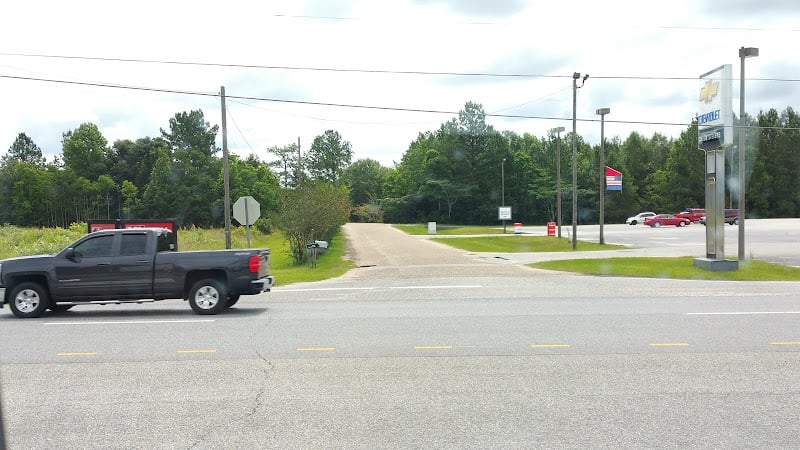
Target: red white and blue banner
(613, 179)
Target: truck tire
(29, 299)
(232, 299)
(208, 296)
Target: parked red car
(666, 219)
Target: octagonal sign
(246, 210)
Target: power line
(239, 129)
(364, 71)
(335, 105)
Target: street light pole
(744, 52)
(575, 77)
(558, 131)
(602, 112)
(503, 188)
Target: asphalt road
(421, 346)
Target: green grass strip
(671, 268)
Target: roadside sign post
(714, 136)
(504, 213)
(246, 211)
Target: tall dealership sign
(714, 136)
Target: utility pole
(575, 88)
(225, 172)
(602, 112)
(558, 131)
(503, 188)
(299, 168)
(744, 52)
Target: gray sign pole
(247, 220)
(714, 135)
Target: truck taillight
(254, 264)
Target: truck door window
(166, 242)
(133, 244)
(94, 247)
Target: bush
(368, 213)
(313, 211)
(264, 225)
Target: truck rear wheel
(207, 296)
(232, 299)
(29, 299)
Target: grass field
(650, 267)
(15, 241)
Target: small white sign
(504, 213)
(431, 227)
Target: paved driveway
(380, 248)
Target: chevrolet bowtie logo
(709, 90)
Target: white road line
(740, 313)
(130, 322)
(325, 289)
(464, 286)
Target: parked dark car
(731, 217)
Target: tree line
(462, 172)
(459, 173)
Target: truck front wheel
(29, 299)
(207, 296)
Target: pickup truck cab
(132, 266)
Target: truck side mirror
(70, 254)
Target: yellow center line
(670, 344)
(784, 343)
(550, 345)
(433, 347)
(76, 354)
(197, 351)
(316, 349)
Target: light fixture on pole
(602, 112)
(744, 52)
(575, 77)
(558, 131)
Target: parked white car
(639, 218)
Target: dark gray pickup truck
(132, 266)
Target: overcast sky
(401, 58)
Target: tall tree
(287, 164)
(86, 151)
(329, 156)
(25, 150)
(774, 166)
(192, 142)
(134, 160)
(365, 178)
